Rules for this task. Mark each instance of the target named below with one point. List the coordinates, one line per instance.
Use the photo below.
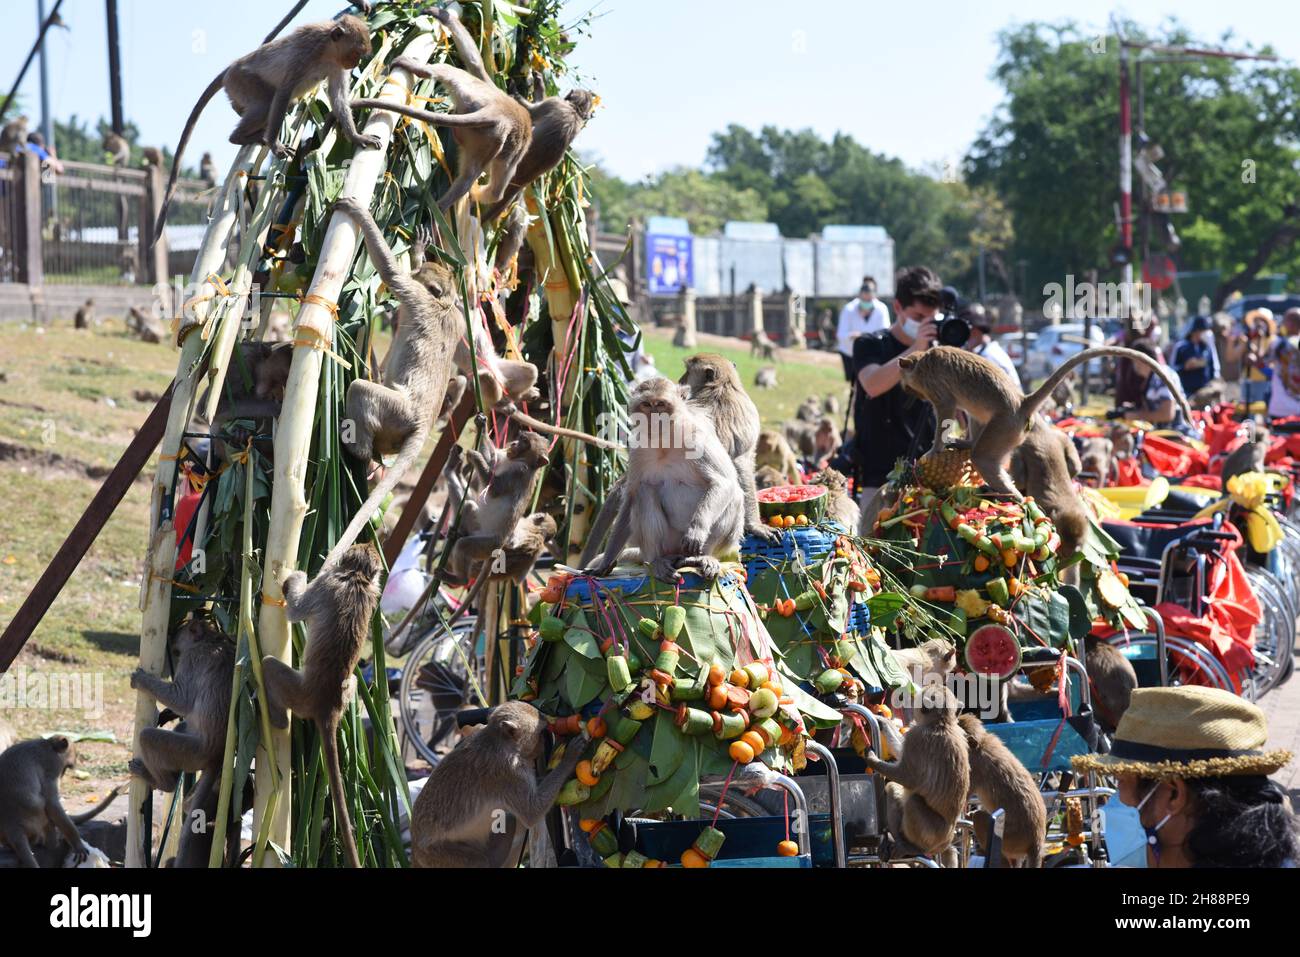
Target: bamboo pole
(297, 425)
(155, 592)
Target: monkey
(1113, 680)
(1246, 457)
(13, 137)
(826, 439)
(810, 410)
(84, 317)
(936, 659)
(762, 345)
(454, 819)
(30, 808)
(1063, 398)
(1000, 781)
(554, 122)
(930, 781)
(145, 327)
(262, 84)
(516, 555)
(257, 399)
(1097, 458)
(802, 437)
(774, 451)
(337, 607)
(1209, 395)
(950, 379)
(395, 415)
(765, 378)
(768, 477)
(116, 149)
(492, 130)
(198, 692)
(1123, 442)
(208, 171)
(152, 156)
(679, 502)
(841, 507)
(831, 405)
(489, 520)
(1040, 467)
(513, 231)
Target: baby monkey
(337, 607)
(455, 820)
(1001, 781)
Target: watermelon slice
(795, 500)
(993, 650)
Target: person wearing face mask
(861, 316)
(981, 340)
(1192, 762)
(889, 422)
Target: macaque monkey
(680, 503)
(208, 171)
(13, 136)
(258, 399)
(117, 149)
(488, 520)
(1097, 458)
(1043, 466)
(262, 84)
(337, 607)
(831, 405)
(841, 507)
(762, 345)
(200, 693)
(1125, 445)
(765, 378)
(555, 122)
(1247, 457)
(826, 440)
(144, 326)
(30, 807)
(510, 560)
(936, 659)
(772, 450)
(393, 417)
(512, 233)
(950, 379)
(930, 781)
(767, 477)
(1001, 781)
(454, 822)
(802, 437)
(84, 317)
(1113, 680)
(152, 156)
(810, 410)
(492, 130)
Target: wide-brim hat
(1187, 732)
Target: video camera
(953, 330)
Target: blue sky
(669, 72)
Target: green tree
(706, 202)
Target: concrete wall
(23, 303)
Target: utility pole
(114, 67)
(47, 121)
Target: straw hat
(1187, 732)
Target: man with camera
(859, 317)
(889, 423)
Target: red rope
(721, 798)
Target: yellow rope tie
(192, 589)
(319, 340)
(278, 602)
(212, 280)
(164, 457)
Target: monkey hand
(138, 677)
(664, 568)
(282, 151)
(350, 206)
(871, 759)
(763, 532)
(80, 853)
(443, 15)
(755, 776)
(367, 141)
(706, 566)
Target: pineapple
(943, 470)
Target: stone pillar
(685, 337)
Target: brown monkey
(762, 345)
(831, 405)
(950, 379)
(208, 171)
(200, 693)
(1001, 781)
(1247, 457)
(489, 520)
(935, 658)
(84, 317)
(772, 449)
(826, 439)
(1124, 445)
(841, 507)
(1040, 467)
(152, 156)
(394, 416)
(1097, 458)
(13, 136)
(117, 149)
(1113, 680)
(930, 780)
(511, 236)
(810, 410)
(767, 477)
(257, 399)
(337, 607)
(555, 122)
(146, 327)
(511, 559)
(262, 84)
(454, 822)
(492, 130)
(765, 378)
(680, 503)
(30, 808)
(802, 437)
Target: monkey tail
(199, 107)
(1036, 398)
(409, 451)
(97, 809)
(479, 118)
(470, 596)
(538, 426)
(342, 821)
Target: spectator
(1254, 349)
(1192, 761)
(861, 316)
(1157, 404)
(1195, 358)
(889, 422)
(36, 143)
(982, 343)
(1285, 398)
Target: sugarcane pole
(297, 423)
(155, 592)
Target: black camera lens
(953, 332)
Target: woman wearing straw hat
(1191, 761)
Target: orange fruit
(1009, 557)
(755, 741)
(739, 751)
(589, 824)
(585, 774)
(693, 858)
(597, 727)
(981, 563)
(787, 849)
(716, 674)
(740, 678)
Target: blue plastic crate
(815, 541)
(859, 617)
(579, 589)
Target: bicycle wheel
(442, 676)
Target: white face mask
(865, 304)
(911, 328)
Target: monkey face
(63, 748)
(352, 41)
(544, 524)
(655, 396)
(937, 703)
(520, 723)
(583, 102)
(531, 448)
(437, 279)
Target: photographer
(981, 340)
(888, 422)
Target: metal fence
(10, 223)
